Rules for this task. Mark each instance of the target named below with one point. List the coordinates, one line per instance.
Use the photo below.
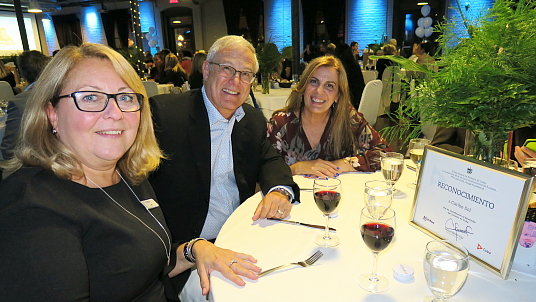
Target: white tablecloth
(273, 101)
(334, 276)
(164, 88)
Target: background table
(276, 99)
(334, 276)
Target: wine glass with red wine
(327, 194)
(377, 233)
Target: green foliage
(269, 57)
(486, 82)
(287, 53)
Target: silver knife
(304, 224)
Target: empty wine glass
(446, 264)
(416, 152)
(378, 197)
(327, 195)
(377, 233)
(392, 166)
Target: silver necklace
(168, 251)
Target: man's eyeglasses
(95, 101)
(229, 72)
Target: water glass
(378, 197)
(392, 164)
(446, 265)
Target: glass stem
(326, 235)
(373, 275)
(417, 171)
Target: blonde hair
(340, 133)
(389, 49)
(3, 70)
(172, 63)
(39, 147)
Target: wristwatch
(284, 192)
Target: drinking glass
(446, 264)
(3, 107)
(529, 166)
(416, 151)
(327, 195)
(377, 233)
(378, 197)
(392, 166)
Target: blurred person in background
(196, 75)
(31, 63)
(7, 75)
(157, 71)
(381, 64)
(186, 61)
(356, 82)
(173, 72)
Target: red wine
(377, 236)
(327, 201)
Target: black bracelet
(188, 253)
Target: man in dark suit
(216, 149)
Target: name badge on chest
(149, 203)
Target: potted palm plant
(486, 82)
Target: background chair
(369, 75)
(391, 88)
(6, 92)
(151, 88)
(370, 101)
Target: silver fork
(310, 261)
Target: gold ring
(280, 212)
(232, 262)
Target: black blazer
(182, 182)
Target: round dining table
(334, 276)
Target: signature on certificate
(456, 229)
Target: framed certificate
(477, 204)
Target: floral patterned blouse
(286, 137)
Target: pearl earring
(54, 131)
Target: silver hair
(231, 42)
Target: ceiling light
(34, 7)
(177, 22)
(422, 3)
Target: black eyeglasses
(229, 72)
(95, 101)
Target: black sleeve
(42, 258)
(274, 170)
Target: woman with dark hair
(356, 82)
(157, 71)
(319, 132)
(196, 75)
